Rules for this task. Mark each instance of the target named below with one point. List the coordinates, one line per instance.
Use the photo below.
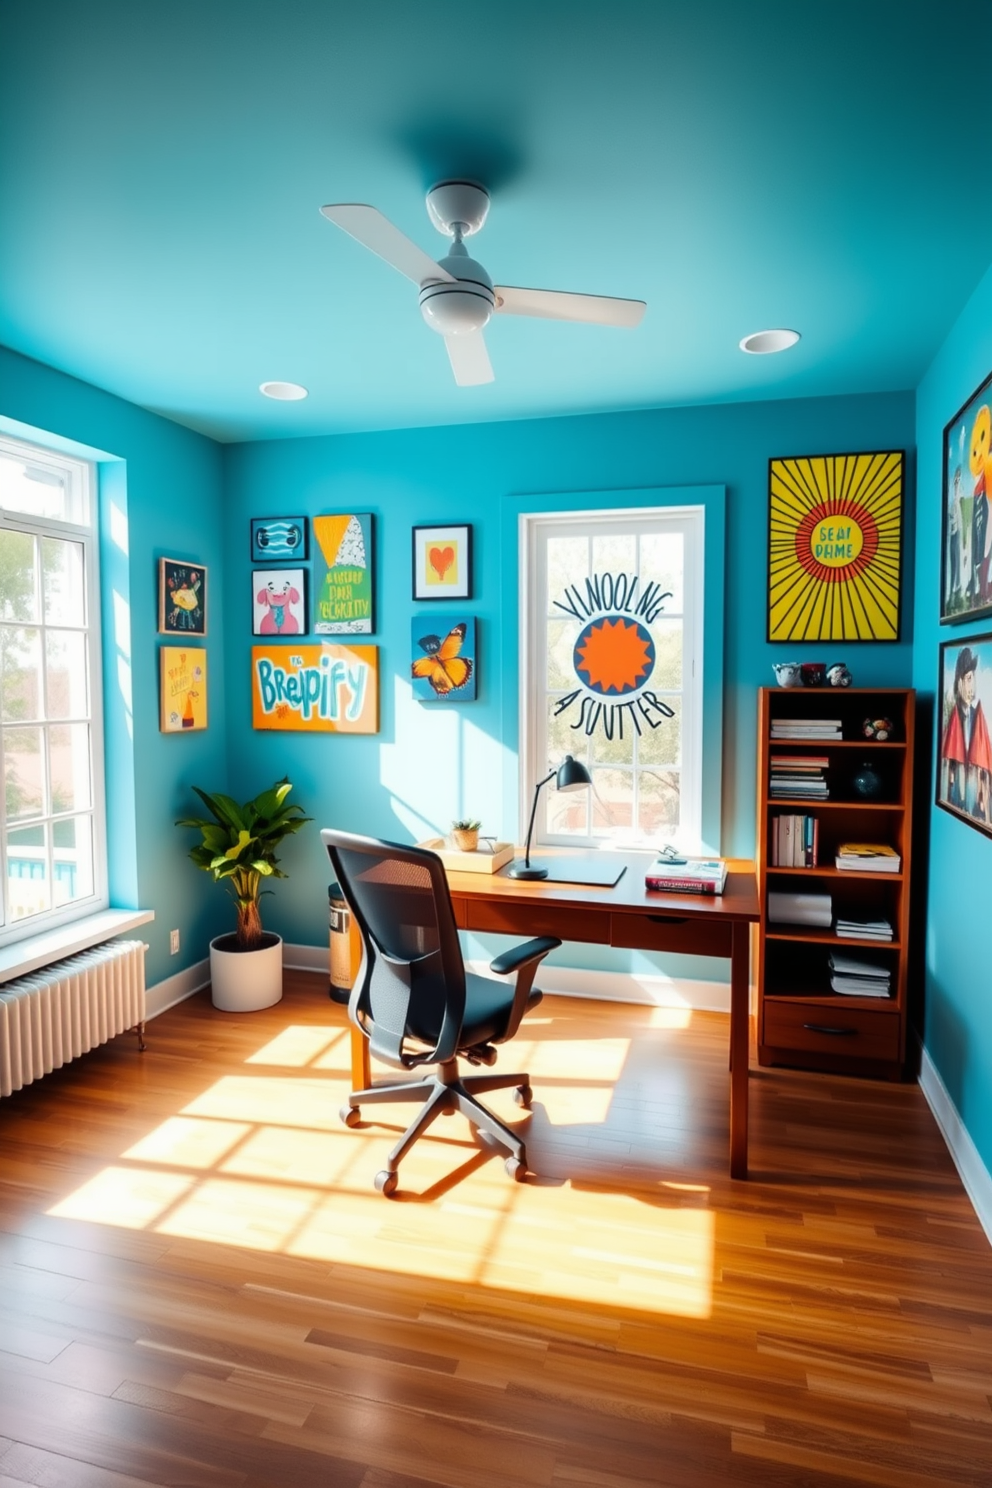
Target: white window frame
(534, 530)
(82, 500)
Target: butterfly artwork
(444, 661)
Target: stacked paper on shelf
(864, 929)
(856, 978)
(806, 728)
(693, 876)
(813, 910)
(798, 775)
(868, 857)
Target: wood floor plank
(199, 1287)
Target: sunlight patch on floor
(260, 1160)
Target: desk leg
(361, 1060)
(740, 993)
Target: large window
(612, 674)
(52, 852)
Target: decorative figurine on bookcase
(867, 783)
(877, 729)
(838, 675)
(787, 673)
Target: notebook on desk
(595, 870)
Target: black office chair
(414, 1000)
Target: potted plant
(238, 848)
(466, 834)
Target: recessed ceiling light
(283, 392)
(761, 343)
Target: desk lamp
(570, 775)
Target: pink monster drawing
(278, 594)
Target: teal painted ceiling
(817, 164)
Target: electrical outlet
(173, 942)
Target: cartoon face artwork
(279, 607)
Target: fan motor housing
(453, 307)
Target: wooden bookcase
(802, 1022)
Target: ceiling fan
(457, 296)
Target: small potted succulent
(238, 848)
(465, 834)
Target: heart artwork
(440, 560)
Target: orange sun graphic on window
(614, 655)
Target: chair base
(443, 1093)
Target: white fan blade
(556, 304)
(369, 227)
(469, 359)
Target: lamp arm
(533, 813)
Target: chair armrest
(530, 950)
(524, 960)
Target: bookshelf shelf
(802, 1020)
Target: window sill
(22, 956)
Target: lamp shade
(572, 775)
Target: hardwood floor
(201, 1288)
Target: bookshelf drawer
(829, 1027)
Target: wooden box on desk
(483, 860)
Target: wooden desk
(626, 915)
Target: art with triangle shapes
(344, 581)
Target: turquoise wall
(429, 764)
(165, 486)
(958, 1033)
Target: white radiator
(52, 1015)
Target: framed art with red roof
(964, 761)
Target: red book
(683, 885)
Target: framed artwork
(444, 666)
(278, 539)
(835, 547)
(328, 688)
(344, 582)
(279, 601)
(966, 533)
(182, 689)
(182, 598)
(442, 562)
(964, 760)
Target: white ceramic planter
(244, 981)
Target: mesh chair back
(411, 985)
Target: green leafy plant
(239, 848)
(466, 824)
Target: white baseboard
(654, 990)
(176, 988)
(974, 1174)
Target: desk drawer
(523, 918)
(831, 1028)
(656, 932)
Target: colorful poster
(966, 536)
(964, 765)
(442, 562)
(182, 598)
(444, 667)
(330, 688)
(835, 547)
(182, 689)
(274, 539)
(343, 577)
(279, 601)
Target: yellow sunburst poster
(835, 547)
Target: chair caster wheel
(386, 1182)
(351, 1115)
(515, 1169)
(524, 1096)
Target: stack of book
(690, 876)
(864, 929)
(867, 857)
(813, 910)
(806, 728)
(855, 978)
(794, 841)
(798, 775)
